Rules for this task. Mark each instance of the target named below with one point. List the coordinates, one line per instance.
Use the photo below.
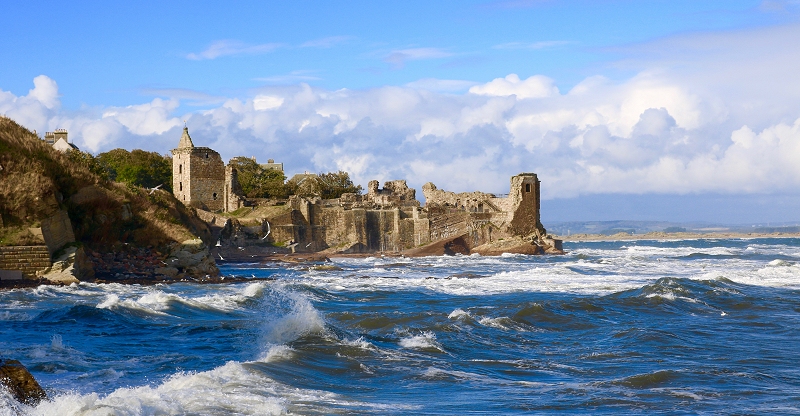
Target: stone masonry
(198, 175)
(28, 259)
(391, 220)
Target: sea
(709, 326)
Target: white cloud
(146, 119)
(33, 110)
(537, 86)
(679, 125)
(232, 47)
(45, 91)
(266, 102)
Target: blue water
(681, 327)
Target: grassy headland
(36, 181)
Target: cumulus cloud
(232, 47)
(36, 108)
(733, 128)
(537, 86)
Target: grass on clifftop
(36, 181)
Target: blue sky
(625, 98)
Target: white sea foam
(442, 374)
(588, 270)
(423, 341)
(302, 319)
(359, 342)
(458, 314)
(229, 389)
(499, 322)
(156, 301)
(277, 353)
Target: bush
(137, 167)
(257, 181)
(329, 185)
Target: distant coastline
(658, 235)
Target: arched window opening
(527, 187)
(214, 196)
(180, 186)
(206, 155)
(180, 169)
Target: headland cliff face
(62, 221)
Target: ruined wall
(394, 194)
(28, 259)
(232, 192)
(524, 204)
(467, 201)
(341, 228)
(382, 229)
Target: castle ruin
(388, 219)
(198, 175)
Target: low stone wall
(28, 259)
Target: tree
(334, 184)
(329, 185)
(138, 167)
(257, 181)
(89, 161)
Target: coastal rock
(449, 247)
(166, 271)
(70, 267)
(19, 381)
(193, 258)
(510, 245)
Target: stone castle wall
(364, 224)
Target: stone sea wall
(27, 259)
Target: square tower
(524, 204)
(198, 175)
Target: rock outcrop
(192, 258)
(70, 267)
(20, 383)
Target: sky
(627, 110)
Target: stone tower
(523, 200)
(198, 175)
